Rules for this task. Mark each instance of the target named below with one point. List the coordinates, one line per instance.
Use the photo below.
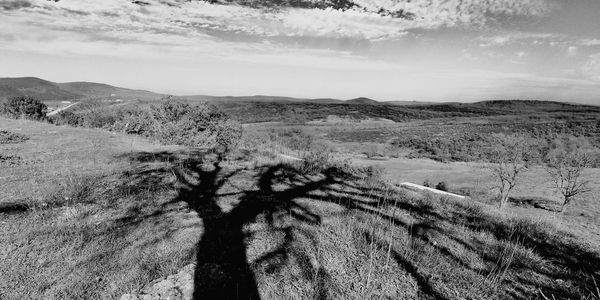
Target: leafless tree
(566, 162)
(510, 156)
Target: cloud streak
(369, 19)
(405, 42)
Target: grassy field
(63, 217)
(92, 214)
(582, 218)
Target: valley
(292, 199)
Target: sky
(421, 50)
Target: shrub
(374, 150)
(66, 118)
(316, 161)
(442, 186)
(170, 122)
(10, 159)
(428, 183)
(7, 137)
(228, 134)
(374, 172)
(23, 107)
(295, 138)
(134, 121)
(98, 119)
(197, 126)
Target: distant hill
(34, 87)
(262, 107)
(279, 99)
(298, 112)
(47, 90)
(363, 100)
(407, 103)
(260, 98)
(257, 98)
(91, 89)
(537, 105)
(495, 107)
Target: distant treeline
(473, 142)
(298, 113)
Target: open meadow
(293, 211)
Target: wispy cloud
(192, 28)
(362, 19)
(414, 44)
(572, 51)
(518, 37)
(592, 67)
(589, 42)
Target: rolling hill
(34, 87)
(363, 101)
(271, 108)
(46, 90)
(91, 89)
(260, 98)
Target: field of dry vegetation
(95, 213)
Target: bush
(134, 121)
(316, 160)
(66, 118)
(99, 119)
(23, 107)
(295, 138)
(197, 126)
(7, 137)
(374, 150)
(10, 159)
(170, 122)
(427, 183)
(442, 186)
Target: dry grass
(107, 216)
(67, 218)
(534, 197)
(7, 137)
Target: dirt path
(54, 112)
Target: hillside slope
(34, 87)
(128, 212)
(92, 89)
(47, 90)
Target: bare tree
(566, 162)
(510, 156)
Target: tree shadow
(222, 269)
(203, 181)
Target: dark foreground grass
(276, 231)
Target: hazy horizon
(437, 51)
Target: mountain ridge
(47, 90)
(80, 90)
